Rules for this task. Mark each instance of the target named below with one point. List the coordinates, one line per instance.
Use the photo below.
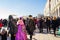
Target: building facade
(54, 8)
(46, 9)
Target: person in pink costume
(21, 34)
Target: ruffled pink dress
(21, 34)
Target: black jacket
(31, 26)
(48, 22)
(54, 23)
(13, 27)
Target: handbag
(3, 31)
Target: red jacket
(1, 25)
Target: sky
(21, 7)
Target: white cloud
(4, 13)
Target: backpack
(31, 25)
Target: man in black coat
(48, 23)
(31, 26)
(54, 25)
(41, 25)
(13, 27)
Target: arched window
(56, 12)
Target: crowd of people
(19, 28)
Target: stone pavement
(45, 37)
(41, 36)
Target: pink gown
(21, 34)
